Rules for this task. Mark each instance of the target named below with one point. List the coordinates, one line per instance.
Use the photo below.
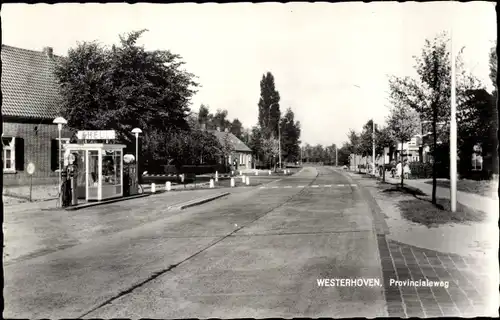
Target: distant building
(242, 153)
(29, 105)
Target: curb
(197, 202)
(93, 204)
(379, 224)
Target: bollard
(182, 178)
(168, 186)
(211, 183)
(216, 176)
(248, 181)
(232, 182)
(153, 188)
(243, 179)
(269, 172)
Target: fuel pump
(73, 176)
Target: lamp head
(59, 121)
(136, 131)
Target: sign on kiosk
(96, 135)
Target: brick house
(242, 153)
(29, 105)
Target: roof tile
(29, 85)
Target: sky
(331, 61)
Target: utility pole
(279, 139)
(453, 134)
(373, 145)
(336, 156)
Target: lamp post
(279, 140)
(373, 147)
(136, 132)
(60, 121)
(336, 156)
(453, 134)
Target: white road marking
(328, 185)
(275, 187)
(300, 186)
(262, 187)
(353, 185)
(288, 186)
(315, 186)
(340, 185)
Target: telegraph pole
(336, 156)
(373, 145)
(453, 134)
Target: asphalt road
(256, 253)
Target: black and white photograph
(250, 160)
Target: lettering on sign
(96, 135)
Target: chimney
(48, 51)
(203, 126)
(226, 130)
(218, 129)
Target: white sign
(31, 168)
(128, 158)
(96, 135)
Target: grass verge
(422, 211)
(485, 188)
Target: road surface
(257, 253)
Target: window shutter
(19, 154)
(54, 146)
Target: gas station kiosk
(97, 167)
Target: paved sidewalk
(475, 201)
(462, 257)
(29, 231)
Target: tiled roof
(29, 86)
(237, 143)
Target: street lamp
(136, 131)
(60, 121)
(453, 134)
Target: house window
(12, 154)
(57, 157)
(8, 154)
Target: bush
(421, 170)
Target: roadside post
(256, 172)
(211, 183)
(216, 176)
(153, 188)
(232, 182)
(269, 172)
(247, 181)
(168, 186)
(31, 169)
(243, 179)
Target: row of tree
(124, 87)
(427, 98)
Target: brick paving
(465, 296)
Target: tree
(270, 149)
(124, 87)
(493, 65)
(204, 116)
(227, 148)
(269, 109)
(290, 135)
(220, 120)
(237, 129)
(402, 122)
(429, 94)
